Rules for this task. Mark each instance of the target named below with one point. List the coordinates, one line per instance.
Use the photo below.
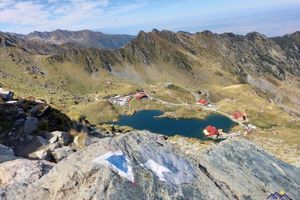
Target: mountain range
(84, 38)
(252, 72)
(204, 57)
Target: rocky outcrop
(7, 40)
(61, 137)
(6, 154)
(62, 152)
(142, 165)
(26, 125)
(23, 171)
(6, 95)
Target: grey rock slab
(32, 145)
(30, 125)
(4, 150)
(234, 169)
(6, 94)
(63, 137)
(250, 171)
(61, 153)
(19, 191)
(6, 154)
(41, 154)
(42, 140)
(53, 139)
(53, 146)
(22, 171)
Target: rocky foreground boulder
(142, 165)
(23, 171)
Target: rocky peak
(155, 30)
(7, 40)
(141, 35)
(255, 36)
(206, 33)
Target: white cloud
(23, 16)
(5, 3)
(29, 15)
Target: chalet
(202, 102)
(141, 95)
(211, 131)
(240, 116)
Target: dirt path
(197, 106)
(165, 102)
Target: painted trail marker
(167, 166)
(157, 168)
(118, 162)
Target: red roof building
(140, 95)
(211, 131)
(202, 102)
(239, 116)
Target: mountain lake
(150, 120)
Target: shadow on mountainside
(22, 123)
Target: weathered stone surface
(6, 154)
(53, 139)
(22, 171)
(30, 125)
(234, 169)
(63, 137)
(11, 112)
(41, 154)
(42, 140)
(31, 145)
(6, 94)
(17, 191)
(4, 150)
(53, 146)
(63, 152)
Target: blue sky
(271, 17)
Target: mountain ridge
(254, 58)
(84, 38)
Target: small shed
(141, 95)
(202, 102)
(211, 131)
(239, 116)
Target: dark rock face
(7, 40)
(6, 154)
(234, 169)
(22, 119)
(30, 125)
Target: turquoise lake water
(149, 120)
